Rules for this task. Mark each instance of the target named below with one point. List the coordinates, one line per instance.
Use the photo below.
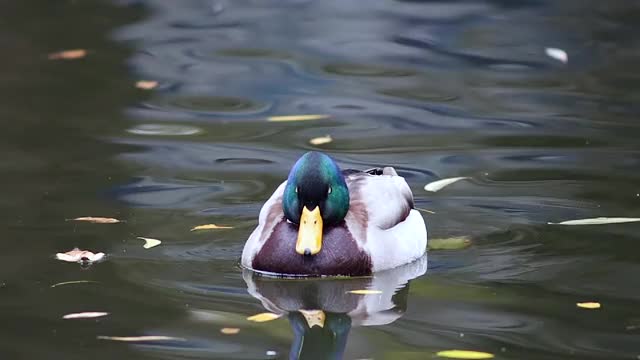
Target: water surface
(436, 89)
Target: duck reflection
(322, 311)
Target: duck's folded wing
(386, 198)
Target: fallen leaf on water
(314, 317)
(140, 338)
(589, 305)
(97, 220)
(365, 292)
(296, 117)
(85, 315)
(80, 256)
(73, 282)
(229, 331)
(439, 184)
(321, 140)
(425, 210)
(557, 54)
(149, 242)
(146, 84)
(210, 227)
(597, 221)
(452, 243)
(263, 317)
(68, 54)
(464, 354)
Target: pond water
(437, 89)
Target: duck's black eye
(329, 190)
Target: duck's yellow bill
(310, 232)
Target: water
(437, 89)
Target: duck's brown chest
(340, 254)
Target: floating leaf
(73, 282)
(452, 243)
(597, 221)
(146, 84)
(365, 292)
(97, 220)
(439, 184)
(263, 317)
(140, 338)
(557, 54)
(68, 54)
(589, 305)
(314, 317)
(425, 210)
(229, 331)
(464, 354)
(296, 117)
(149, 242)
(85, 315)
(210, 227)
(84, 257)
(321, 140)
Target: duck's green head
(316, 195)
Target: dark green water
(437, 89)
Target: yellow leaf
(229, 331)
(68, 54)
(589, 305)
(140, 338)
(464, 354)
(314, 317)
(597, 221)
(97, 220)
(210, 227)
(146, 84)
(321, 140)
(452, 243)
(296, 118)
(149, 242)
(263, 317)
(365, 292)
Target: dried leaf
(73, 282)
(365, 292)
(210, 227)
(557, 54)
(439, 184)
(146, 84)
(597, 221)
(321, 140)
(589, 305)
(140, 338)
(229, 331)
(452, 243)
(263, 317)
(149, 242)
(97, 220)
(68, 54)
(296, 118)
(464, 354)
(80, 256)
(425, 210)
(85, 315)
(314, 317)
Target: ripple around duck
(164, 130)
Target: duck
(324, 221)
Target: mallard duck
(324, 221)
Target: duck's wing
(270, 215)
(379, 196)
